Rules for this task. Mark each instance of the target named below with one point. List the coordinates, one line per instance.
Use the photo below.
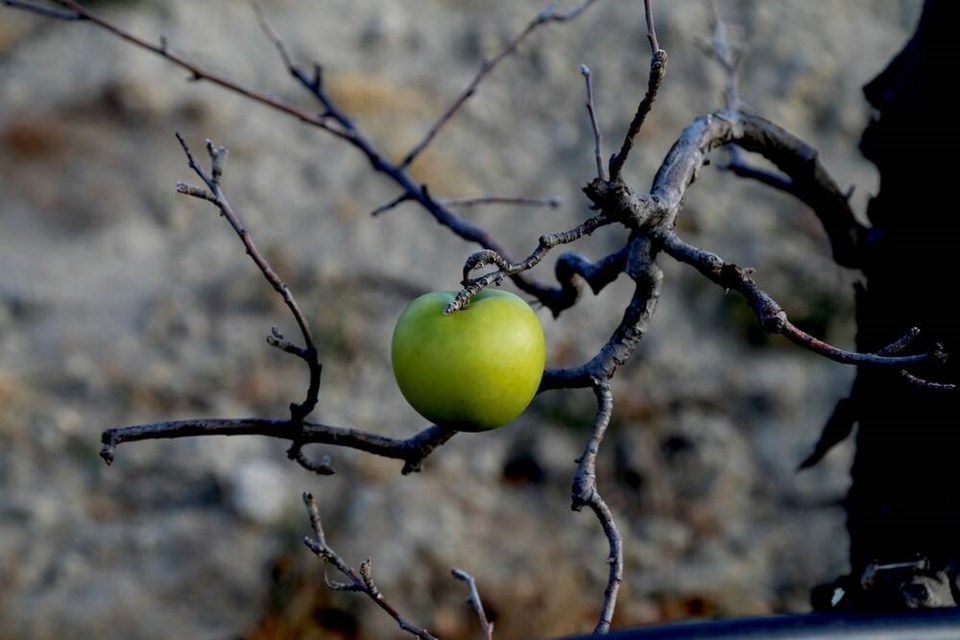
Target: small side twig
(473, 599)
(396, 202)
(592, 111)
(42, 10)
(927, 384)
(552, 202)
(322, 468)
(358, 580)
(728, 56)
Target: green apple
(472, 370)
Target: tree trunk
(904, 502)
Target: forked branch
(359, 580)
(214, 193)
(550, 13)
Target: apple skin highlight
(473, 370)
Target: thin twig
(198, 73)
(552, 202)
(728, 56)
(411, 191)
(927, 384)
(215, 195)
(41, 10)
(271, 34)
(896, 347)
(591, 110)
(362, 580)
(651, 27)
(396, 202)
(549, 14)
(473, 599)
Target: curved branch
(799, 161)
(412, 450)
(641, 266)
(929, 384)
(473, 286)
(585, 494)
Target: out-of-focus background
(122, 302)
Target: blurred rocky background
(122, 302)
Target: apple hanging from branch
(475, 369)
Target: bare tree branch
(308, 354)
(651, 27)
(592, 112)
(552, 202)
(658, 67)
(473, 286)
(334, 122)
(800, 162)
(359, 580)
(396, 202)
(43, 10)
(772, 318)
(322, 468)
(829, 204)
(412, 451)
(549, 14)
(729, 56)
(585, 494)
(198, 73)
(640, 265)
(473, 599)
